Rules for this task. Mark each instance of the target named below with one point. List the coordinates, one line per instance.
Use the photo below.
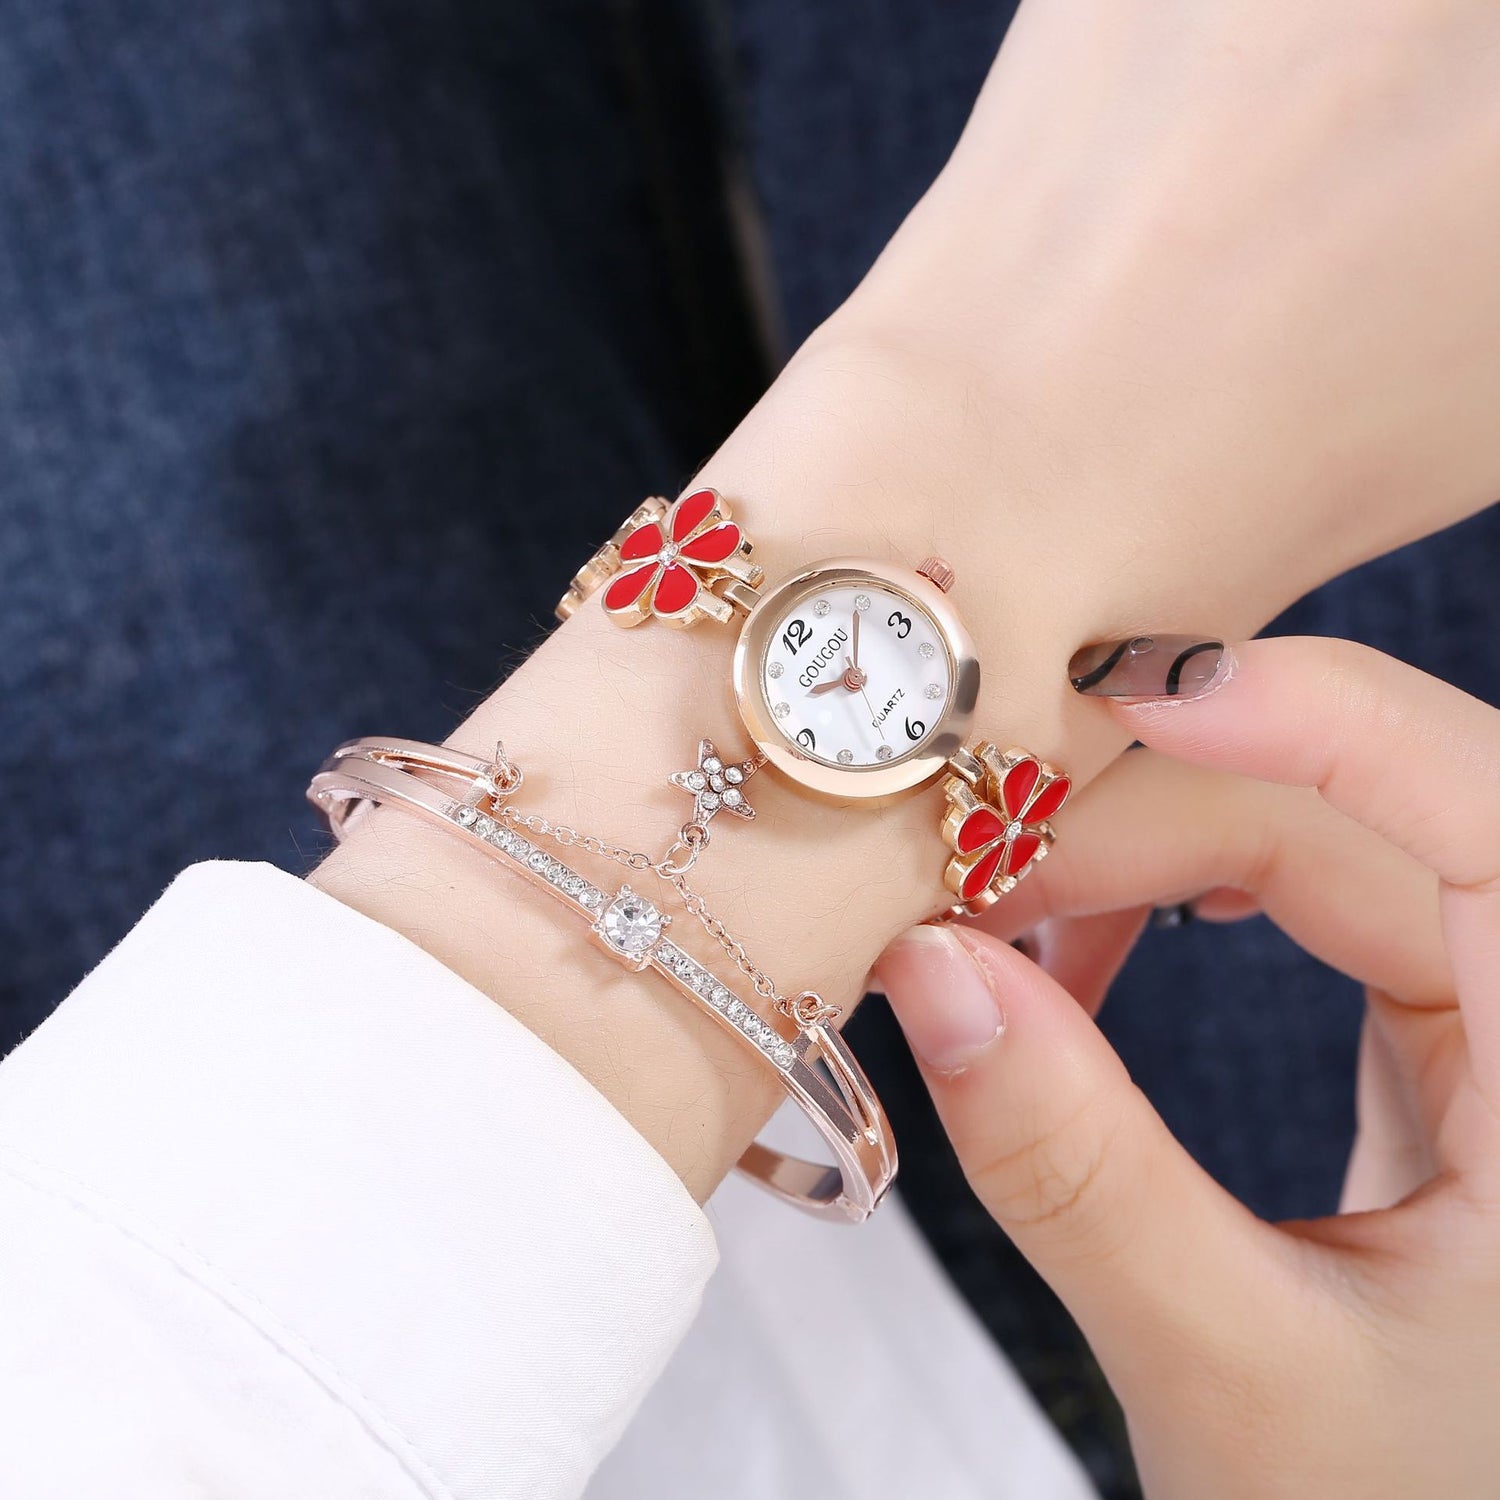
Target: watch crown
(938, 570)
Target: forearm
(861, 449)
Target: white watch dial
(856, 675)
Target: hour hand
(825, 687)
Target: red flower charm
(667, 565)
(1000, 828)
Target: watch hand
(853, 679)
(854, 663)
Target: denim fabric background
(334, 333)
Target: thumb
(1150, 1255)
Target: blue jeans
(333, 335)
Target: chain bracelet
(807, 1009)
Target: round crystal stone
(934, 690)
(710, 801)
(732, 798)
(820, 608)
(861, 602)
(466, 816)
(631, 924)
(926, 650)
(712, 764)
(668, 553)
(846, 757)
(716, 782)
(883, 752)
(695, 780)
(774, 670)
(1013, 830)
(734, 775)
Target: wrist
(829, 462)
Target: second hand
(854, 667)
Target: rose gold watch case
(866, 784)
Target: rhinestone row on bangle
(659, 951)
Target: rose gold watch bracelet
(467, 796)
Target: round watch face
(865, 673)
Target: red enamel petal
(1049, 799)
(982, 873)
(691, 512)
(644, 541)
(1020, 851)
(1020, 781)
(713, 546)
(677, 589)
(628, 587)
(982, 826)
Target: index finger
(1399, 751)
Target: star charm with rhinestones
(717, 787)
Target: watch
(855, 679)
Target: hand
(1352, 1356)
(851, 680)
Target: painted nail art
(1150, 666)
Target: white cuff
(343, 1144)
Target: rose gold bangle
(813, 1063)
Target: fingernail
(944, 995)
(1152, 666)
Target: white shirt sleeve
(288, 1209)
